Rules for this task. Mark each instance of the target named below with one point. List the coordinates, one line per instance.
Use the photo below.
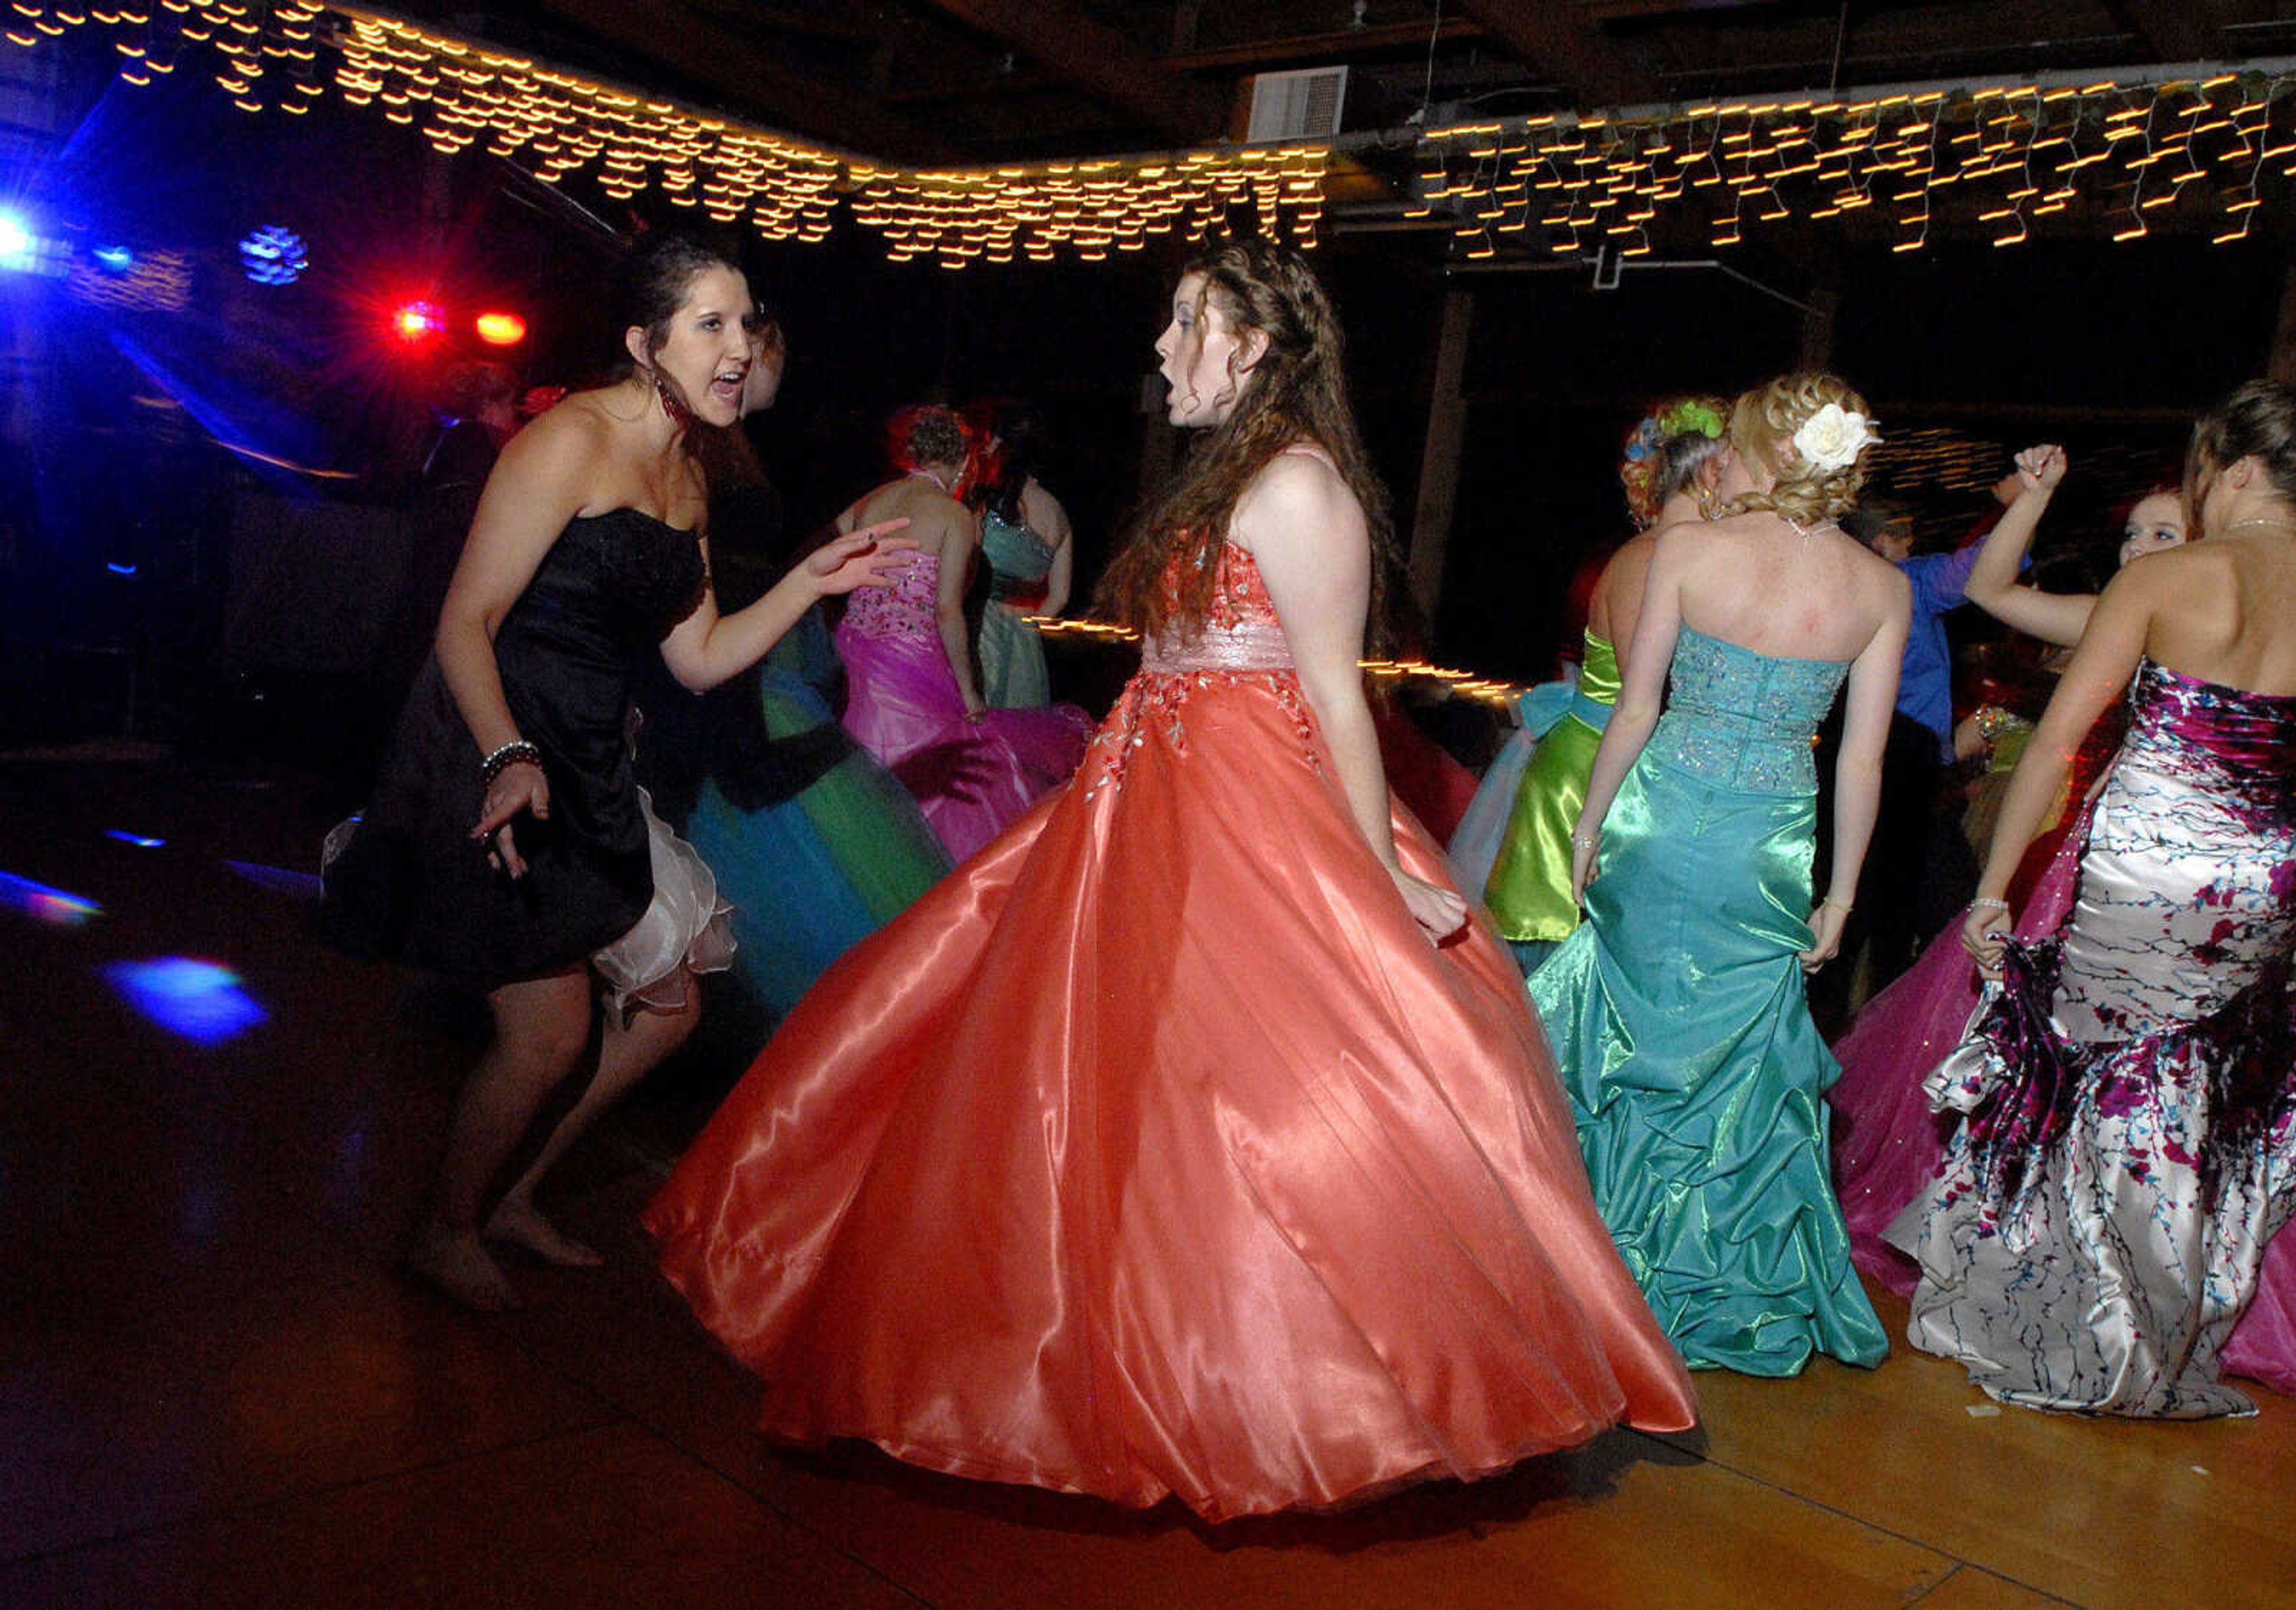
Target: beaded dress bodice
(1742, 720)
(1019, 560)
(907, 607)
(1240, 645)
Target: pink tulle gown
(1156, 1152)
(970, 778)
(1887, 1144)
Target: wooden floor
(214, 1391)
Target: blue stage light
(140, 841)
(274, 255)
(198, 1000)
(58, 906)
(116, 260)
(16, 242)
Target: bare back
(1617, 601)
(2224, 610)
(1753, 580)
(938, 523)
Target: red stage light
(417, 322)
(501, 329)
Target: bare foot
(521, 1224)
(455, 1265)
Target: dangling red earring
(679, 413)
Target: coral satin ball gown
(1156, 1152)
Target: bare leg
(541, 1026)
(628, 1056)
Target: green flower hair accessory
(1691, 415)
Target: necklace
(927, 475)
(2281, 525)
(1806, 531)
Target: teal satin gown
(1681, 1032)
(1012, 671)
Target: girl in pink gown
(1160, 1151)
(911, 699)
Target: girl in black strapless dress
(507, 842)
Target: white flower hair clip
(1833, 437)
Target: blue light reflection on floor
(304, 885)
(200, 1001)
(49, 905)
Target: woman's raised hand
(862, 559)
(2040, 468)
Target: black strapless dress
(412, 885)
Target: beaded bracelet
(1989, 903)
(517, 750)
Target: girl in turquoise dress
(1677, 1010)
(1025, 537)
(1672, 461)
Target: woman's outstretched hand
(1983, 932)
(862, 559)
(519, 787)
(1439, 911)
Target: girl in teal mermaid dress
(1677, 1010)
(1026, 541)
(1012, 675)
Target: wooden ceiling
(935, 81)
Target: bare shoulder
(1296, 490)
(577, 429)
(2197, 571)
(952, 517)
(1872, 570)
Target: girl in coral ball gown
(1190, 1140)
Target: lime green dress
(1530, 888)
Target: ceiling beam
(1097, 58)
(747, 78)
(1343, 44)
(2176, 31)
(1560, 42)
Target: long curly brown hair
(1762, 426)
(1297, 392)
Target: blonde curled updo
(1762, 426)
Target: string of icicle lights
(1463, 684)
(282, 57)
(2005, 157)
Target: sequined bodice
(1240, 631)
(2235, 747)
(905, 609)
(1743, 720)
(1019, 560)
(1240, 651)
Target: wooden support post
(1816, 349)
(1438, 462)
